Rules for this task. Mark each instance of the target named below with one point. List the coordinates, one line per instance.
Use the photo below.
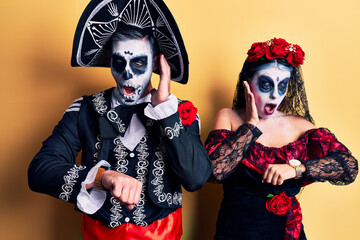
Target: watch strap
(298, 172)
(98, 178)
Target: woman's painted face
(269, 87)
(131, 66)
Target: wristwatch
(296, 164)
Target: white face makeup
(131, 66)
(269, 87)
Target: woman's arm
(229, 153)
(339, 168)
(225, 156)
(326, 160)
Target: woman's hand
(162, 93)
(276, 174)
(251, 110)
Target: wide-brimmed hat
(101, 19)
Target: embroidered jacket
(169, 155)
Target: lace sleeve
(339, 168)
(226, 156)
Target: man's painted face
(269, 86)
(131, 66)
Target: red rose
(296, 56)
(256, 51)
(187, 112)
(277, 49)
(279, 204)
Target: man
(139, 144)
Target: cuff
(163, 110)
(90, 202)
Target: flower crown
(276, 48)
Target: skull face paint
(269, 87)
(131, 66)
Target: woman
(267, 147)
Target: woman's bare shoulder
(301, 124)
(226, 118)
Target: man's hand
(124, 188)
(162, 93)
(251, 110)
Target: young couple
(140, 144)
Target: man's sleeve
(187, 156)
(53, 170)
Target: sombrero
(101, 19)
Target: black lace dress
(251, 209)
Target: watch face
(295, 162)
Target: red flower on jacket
(279, 204)
(187, 112)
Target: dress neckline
(301, 140)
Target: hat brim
(101, 19)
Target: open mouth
(270, 108)
(128, 91)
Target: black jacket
(169, 155)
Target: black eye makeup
(139, 65)
(118, 63)
(283, 86)
(265, 84)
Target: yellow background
(38, 84)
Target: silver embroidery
(166, 44)
(141, 170)
(175, 131)
(99, 103)
(113, 10)
(122, 167)
(115, 215)
(75, 106)
(70, 181)
(158, 172)
(177, 198)
(98, 148)
(136, 13)
(150, 123)
(120, 155)
(113, 117)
